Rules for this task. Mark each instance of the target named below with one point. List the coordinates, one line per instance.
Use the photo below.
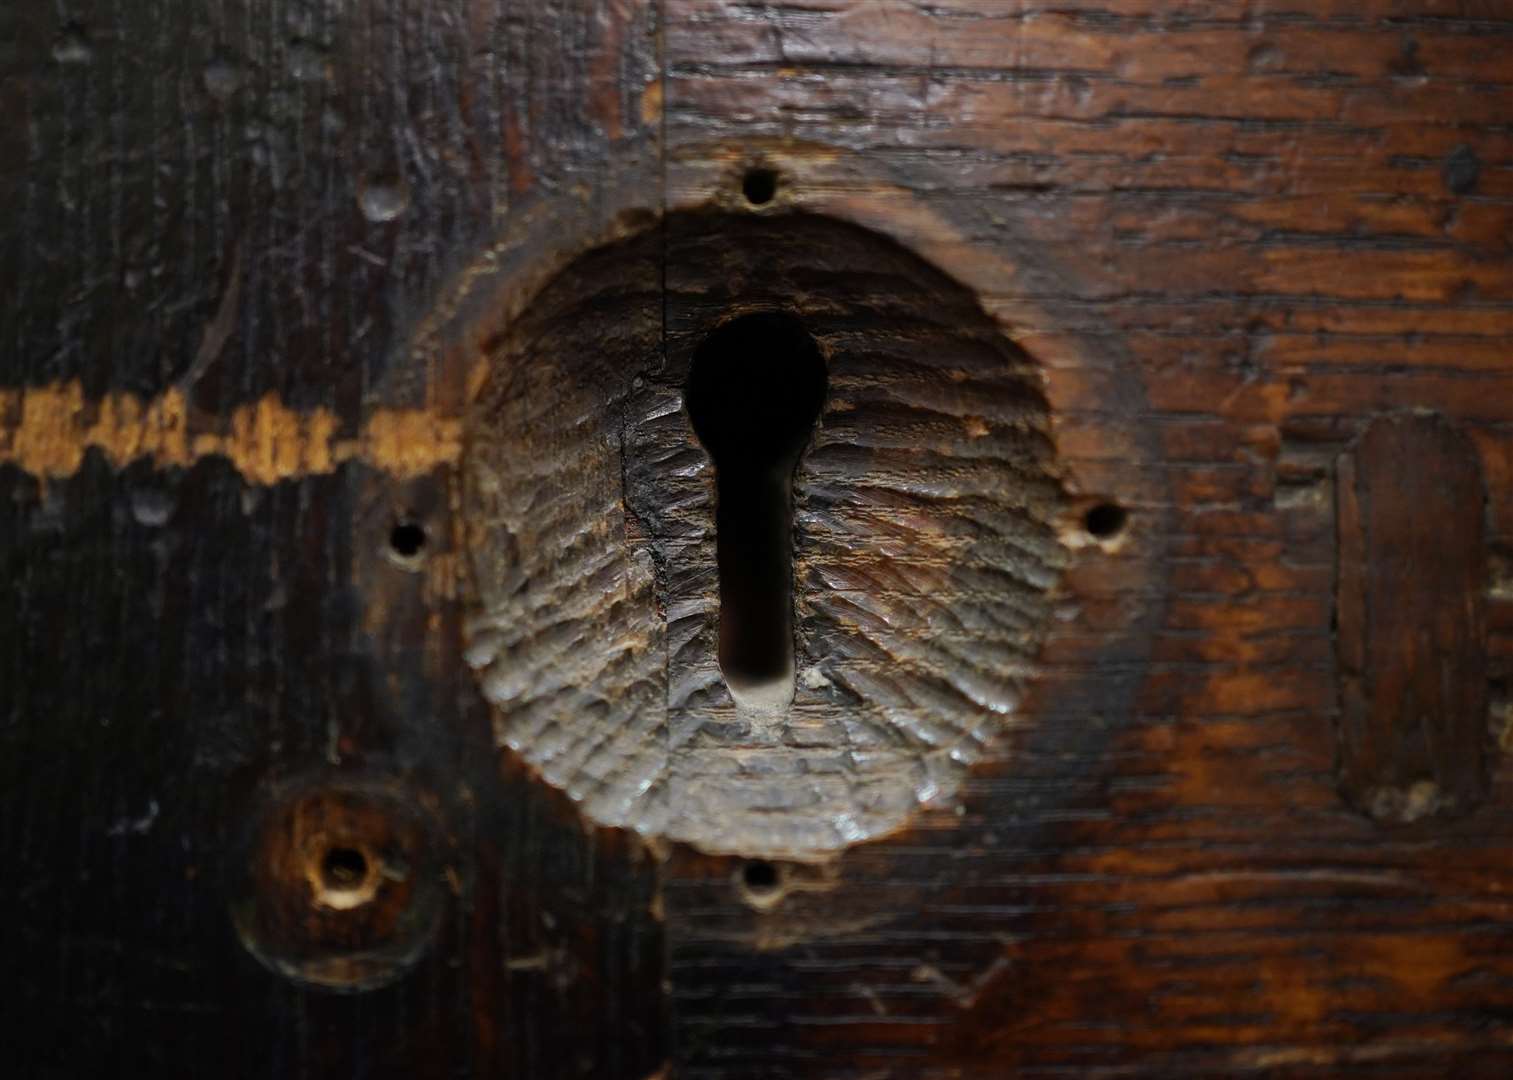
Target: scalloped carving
(924, 539)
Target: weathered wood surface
(924, 537)
(1410, 620)
(246, 297)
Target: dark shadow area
(755, 391)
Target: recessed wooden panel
(925, 539)
(1412, 621)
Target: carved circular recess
(343, 883)
(924, 516)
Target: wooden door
(1144, 562)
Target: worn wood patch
(1229, 233)
(924, 539)
(1411, 620)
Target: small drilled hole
(760, 876)
(1106, 520)
(760, 186)
(761, 884)
(407, 540)
(344, 876)
(344, 868)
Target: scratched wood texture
(1232, 234)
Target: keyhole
(755, 391)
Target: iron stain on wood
(1410, 609)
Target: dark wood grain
(223, 223)
(1411, 623)
(1259, 231)
(256, 255)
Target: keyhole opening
(756, 389)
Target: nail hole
(343, 868)
(344, 877)
(755, 391)
(760, 186)
(407, 540)
(760, 883)
(1105, 521)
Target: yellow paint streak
(47, 431)
(651, 104)
(412, 442)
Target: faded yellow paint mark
(651, 103)
(411, 442)
(47, 431)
